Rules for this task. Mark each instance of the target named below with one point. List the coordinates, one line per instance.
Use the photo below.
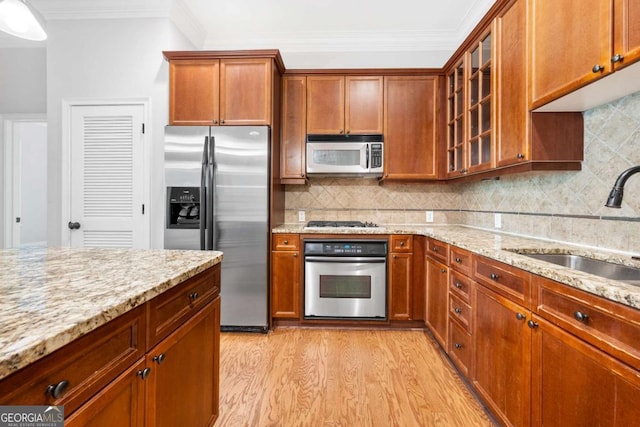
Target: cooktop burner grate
(350, 224)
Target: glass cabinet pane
(486, 49)
(475, 60)
(473, 124)
(474, 154)
(459, 103)
(458, 131)
(458, 159)
(486, 82)
(486, 116)
(452, 136)
(452, 83)
(474, 91)
(486, 149)
(459, 76)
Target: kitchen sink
(596, 267)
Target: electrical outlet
(429, 216)
(497, 219)
(301, 216)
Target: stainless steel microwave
(345, 155)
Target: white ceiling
(309, 33)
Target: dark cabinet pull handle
(458, 260)
(58, 390)
(159, 358)
(458, 285)
(144, 373)
(457, 310)
(457, 345)
(598, 68)
(495, 276)
(194, 296)
(617, 58)
(532, 324)
(73, 225)
(581, 317)
(520, 316)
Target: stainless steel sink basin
(596, 267)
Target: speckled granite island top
(503, 247)
(51, 296)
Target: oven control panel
(345, 248)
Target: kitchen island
(74, 323)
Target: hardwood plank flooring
(330, 377)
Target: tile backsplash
(564, 206)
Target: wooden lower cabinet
(575, 384)
(437, 299)
(286, 276)
(182, 387)
(502, 350)
(400, 286)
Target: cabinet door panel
(245, 92)
(502, 368)
(583, 31)
(325, 104)
(294, 127)
(363, 104)
(410, 127)
(437, 310)
(183, 388)
(627, 31)
(194, 86)
(285, 284)
(401, 274)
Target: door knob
(74, 225)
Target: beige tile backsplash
(564, 206)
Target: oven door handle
(333, 259)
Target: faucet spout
(617, 192)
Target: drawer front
(77, 371)
(460, 311)
(174, 307)
(402, 243)
(612, 327)
(461, 260)
(506, 280)
(460, 347)
(438, 250)
(460, 285)
(285, 242)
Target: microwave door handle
(367, 149)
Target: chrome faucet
(615, 197)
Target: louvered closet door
(107, 176)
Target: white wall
(109, 59)
(33, 182)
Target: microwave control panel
(376, 155)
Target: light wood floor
(327, 377)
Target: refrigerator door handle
(203, 192)
(211, 195)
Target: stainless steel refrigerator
(217, 198)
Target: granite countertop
(503, 247)
(52, 296)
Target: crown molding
(101, 9)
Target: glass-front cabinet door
(455, 121)
(479, 112)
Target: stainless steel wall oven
(345, 279)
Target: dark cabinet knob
(58, 390)
(215, 122)
(494, 276)
(598, 68)
(395, 256)
(520, 156)
(222, 121)
(532, 324)
(401, 243)
(458, 285)
(443, 270)
(286, 242)
(159, 358)
(434, 249)
(457, 310)
(617, 58)
(295, 255)
(458, 260)
(194, 296)
(73, 225)
(144, 373)
(457, 345)
(581, 317)
(520, 316)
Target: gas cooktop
(339, 224)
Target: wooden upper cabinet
(245, 92)
(512, 104)
(570, 45)
(410, 128)
(344, 105)
(626, 42)
(194, 91)
(293, 129)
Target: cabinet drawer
(438, 250)
(508, 281)
(460, 347)
(461, 260)
(460, 311)
(460, 285)
(402, 243)
(80, 369)
(174, 307)
(612, 327)
(285, 242)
